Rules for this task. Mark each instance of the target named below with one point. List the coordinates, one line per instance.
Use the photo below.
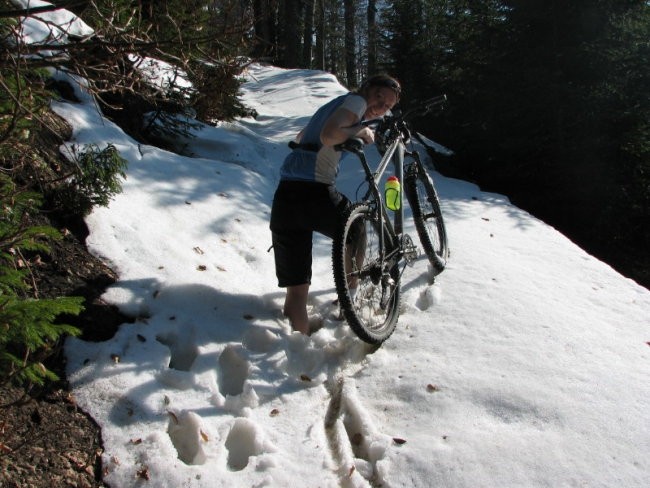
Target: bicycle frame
(395, 152)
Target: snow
(524, 364)
(50, 28)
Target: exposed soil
(45, 439)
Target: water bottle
(392, 193)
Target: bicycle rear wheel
(427, 215)
(373, 310)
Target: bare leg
(295, 307)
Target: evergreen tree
(548, 104)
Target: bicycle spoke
(358, 265)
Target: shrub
(95, 179)
(28, 328)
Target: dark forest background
(549, 101)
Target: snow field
(524, 364)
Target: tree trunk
(308, 42)
(372, 38)
(350, 54)
(319, 59)
(291, 58)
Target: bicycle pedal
(409, 249)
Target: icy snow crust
(524, 365)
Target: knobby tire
(373, 313)
(427, 215)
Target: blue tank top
(320, 166)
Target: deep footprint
(428, 298)
(183, 351)
(184, 430)
(233, 372)
(242, 443)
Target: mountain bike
(371, 250)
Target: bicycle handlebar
(422, 108)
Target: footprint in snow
(245, 440)
(233, 372)
(187, 435)
(183, 349)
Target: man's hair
(381, 80)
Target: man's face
(380, 100)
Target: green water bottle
(392, 193)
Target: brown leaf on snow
(143, 473)
(399, 441)
(431, 388)
(201, 267)
(351, 472)
(275, 412)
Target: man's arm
(341, 126)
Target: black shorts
(299, 209)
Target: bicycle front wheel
(427, 215)
(367, 282)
